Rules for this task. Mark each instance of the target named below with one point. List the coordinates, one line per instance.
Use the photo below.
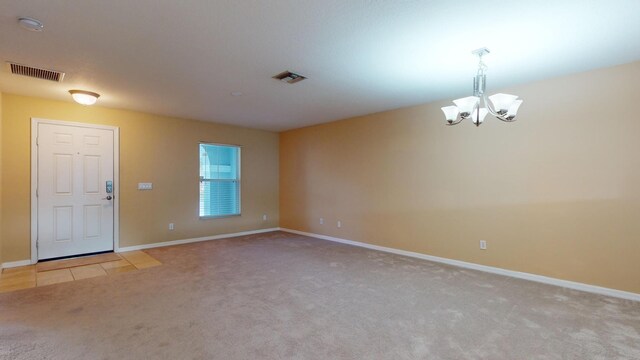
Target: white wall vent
(34, 72)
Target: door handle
(107, 198)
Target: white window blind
(219, 180)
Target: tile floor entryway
(53, 272)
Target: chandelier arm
(455, 122)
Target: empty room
(307, 179)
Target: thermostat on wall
(145, 186)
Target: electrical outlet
(321, 221)
(171, 226)
(483, 245)
(264, 217)
(339, 223)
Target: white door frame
(34, 179)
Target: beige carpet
(283, 296)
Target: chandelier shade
(477, 117)
(502, 102)
(476, 107)
(466, 105)
(450, 112)
(513, 109)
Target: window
(219, 180)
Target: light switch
(145, 186)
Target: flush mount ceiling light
(502, 106)
(84, 97)
(30, 24)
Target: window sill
(218, 216)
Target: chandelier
(476, 107)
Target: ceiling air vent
(288, 76)
(34, 72)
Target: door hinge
(37, 141)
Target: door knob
(107, 198)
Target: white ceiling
(184, 58)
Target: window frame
(238, 180)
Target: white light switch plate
(145, 186)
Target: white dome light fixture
(30, 24)
(84, 97)
(502, 106)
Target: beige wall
(1, 178)
(156, 149)
(556, 193)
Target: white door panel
(74, 216)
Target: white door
(75, 210)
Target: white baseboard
(490, 269)
(193, 240)
(13, 264)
